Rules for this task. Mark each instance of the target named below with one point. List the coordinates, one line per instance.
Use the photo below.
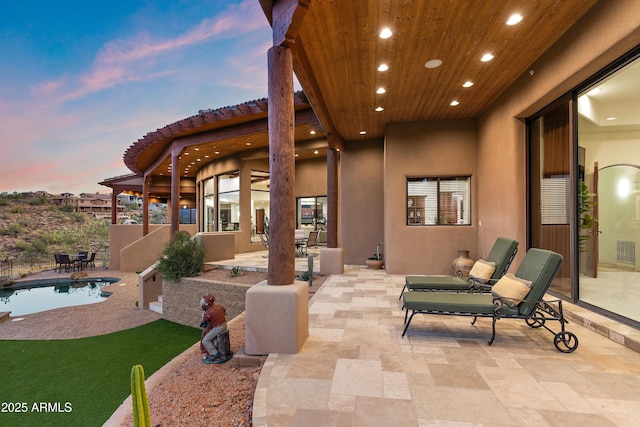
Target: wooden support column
(175, 191)
(114, 206)
(145, 205)
(282, 212)
(332, 198)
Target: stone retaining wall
(181, 300)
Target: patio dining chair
(311, 241)
(88, 262)
(65, 261)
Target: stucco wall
(121, 235)
(427, 149)
(311, 177)
(361, 194)
(606, 32)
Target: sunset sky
(81, 81)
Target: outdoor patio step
(156, 306)
(4, 315)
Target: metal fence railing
(27, 264)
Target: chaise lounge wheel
(565, 342)
(534, 322)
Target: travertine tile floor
(355, 369)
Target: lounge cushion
(447, 302)
(482, 270)
(448, 283)
(510, 290)
(501, 255)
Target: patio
(356, 369)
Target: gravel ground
(190, 393)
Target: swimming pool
(33, 296)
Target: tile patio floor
(355, 369)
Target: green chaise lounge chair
(501, 254)
(516, 296)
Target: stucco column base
(331, 261)
(277, 318)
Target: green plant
(38, 201)
(237, 271)
(378, 254)
(181, 257)
(13, 230)
(18, 209)
(141, 415)
(586, 221)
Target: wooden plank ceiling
(339, 50)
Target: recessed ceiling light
(206, 156)
(315, 151)
(217, 152)
(467, 84)
(385, 33)
(612, 118)
(379, 109)
(514, 19)
(454, 103)
(486, 57)
(363, 132)
(297, 155)
(433, 63)
(383, 67)
(313, 132)
(197, 149)
(381, 90)
(247, 144)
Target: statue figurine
(214, 341)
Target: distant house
(98, 205)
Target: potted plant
(586, 221)
(375, 262)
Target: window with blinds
(554, 198)
(439, 201)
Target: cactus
(141, 417)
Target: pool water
(35, 296)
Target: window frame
(412, 205)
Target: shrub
(18, 209)
(181, 257)
(13, 230)
(38, 201)
(236, 271)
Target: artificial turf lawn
(81, 382)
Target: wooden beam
(282, 206)
(332, 198)
(175, 190)
(287, 17)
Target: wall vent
(626, 251)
